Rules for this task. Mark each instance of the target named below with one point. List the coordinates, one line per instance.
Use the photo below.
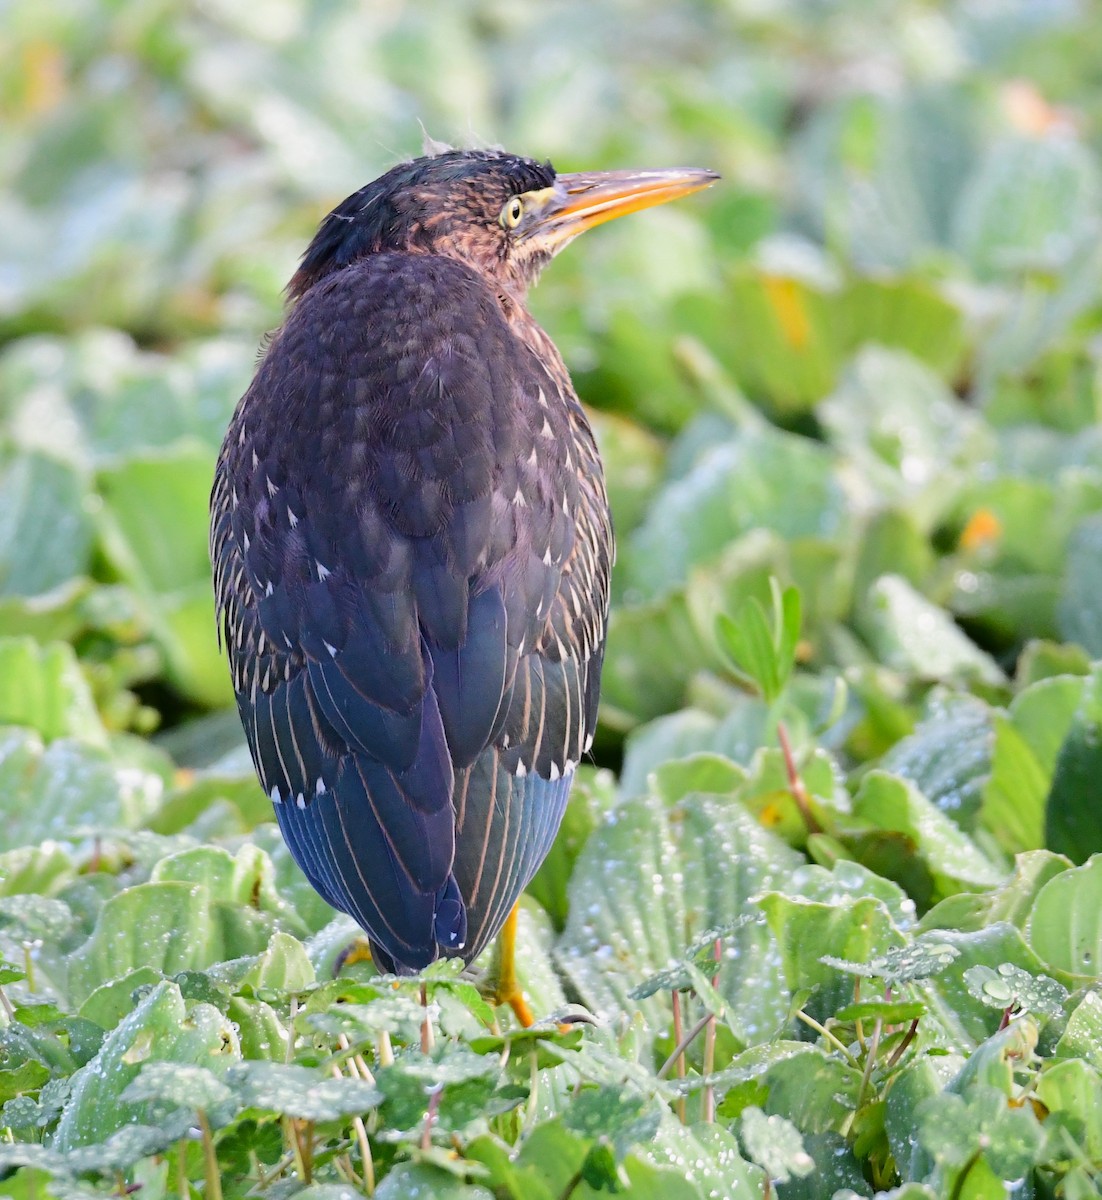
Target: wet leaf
(775, 1145)
(184, 1085)
(910, 634)
(301, 1092)
(1009, 987)
(953, 1128)
(1065, 924)
(159, 1029)
(903, 964)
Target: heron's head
(504, 215)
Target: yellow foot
(505, 988)
(358, 951)
(516, 1001)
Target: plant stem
(357, 1068)
(683, 1045)
(811, 1023)
(357, 1121)
(533, 1092)
(571, 1186)
(211, 1174)
(908, 1037)
(28, 966)
(795, 784)
(292, 1015)
(365, 1155)
(430, 1115)
(291, 1133)
(678, 1034)
(870, 1060)
(426, 1024)
(708, 1104)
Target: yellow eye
(512, 213)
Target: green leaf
(737, 487)
(890, 1012)
(905, 429)
(923, 1079)
(707, 1156)
(755, 1062)
(45, 531)
(704, 857)
(656, 646)
(747, 639)
(1042, 659)
(202, 906)
(910, 634)
(283, 966)
(670, 746)
(154, 530)
(775, 1144)
(301, 1092)
(937, 858)
(609, 1114)
(1082, 1036)
(163, 925)
(43, 687)
(1072, 1092)
(1026, 201)
(10, 973)
(818, 1092)
(964, 1020)
(112, 1001)
(1011, 902)
(952, 1128)
(633, 466)
(67, 790)
(28, 1076)
(948, 757)
(45, 870)
(426, 1182)
(1079, 611)
(1014, 796)
(549, 1159)
(465, 1084)
(1071, 825)
(710, 773)
(1009, 987)
(790, 330)
(903, 964)
(1065, 925)
(813, 935)
(159, 1029)
(182, 1084)
(767, 794)
(995, 1061)
(763, 646)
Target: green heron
(411, 545)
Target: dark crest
(393, 212)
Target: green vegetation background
(867, 366)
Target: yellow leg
(506, 988)
(359, 950)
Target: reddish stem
(795, 784)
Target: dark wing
(510, 802)
(401, 567)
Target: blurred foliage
(866, 367)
